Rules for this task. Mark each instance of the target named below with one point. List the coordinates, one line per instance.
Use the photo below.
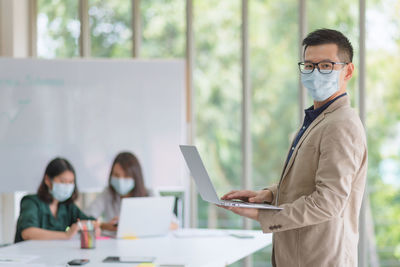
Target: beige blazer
(321, 191)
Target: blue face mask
(61, 191)
(321, 86)
(122, 185)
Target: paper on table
(22, 265)
(170, 265)
(16, 258)
(129, 237)
(146, 264)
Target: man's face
(329, 52)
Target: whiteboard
(88, 111)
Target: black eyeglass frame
(319, 70)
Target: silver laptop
(205, 186)
(145, 216)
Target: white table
(193, 248)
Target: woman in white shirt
(125, 180)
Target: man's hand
(261, 196)
(246, 212)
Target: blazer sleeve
(342, 151)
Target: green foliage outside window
(58, 28)
(110, 28)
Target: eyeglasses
(324, 67)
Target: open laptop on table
(205, 186)
(145, 217)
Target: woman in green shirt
(51, 213)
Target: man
(323, 178)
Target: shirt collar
(312, 113)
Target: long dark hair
(131, 166)
(53, 169)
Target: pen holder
(88, 239)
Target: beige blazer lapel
(335, 105)
(306, 133)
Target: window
(58, 28)
(217, 83)
(163, 28)
(383, 128)
(110, 28)
(274, 79)
(274, 49)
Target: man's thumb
(253, 199)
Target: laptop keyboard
(237, 202)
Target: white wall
(14, 42)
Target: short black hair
(328, 36)
(53, 169)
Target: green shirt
(36, 213)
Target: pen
(80, 224)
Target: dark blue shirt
(310, 115)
